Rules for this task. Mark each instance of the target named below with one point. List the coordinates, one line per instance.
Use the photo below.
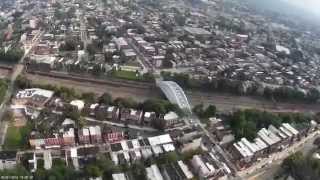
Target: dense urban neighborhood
(158, 90)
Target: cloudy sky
(310, 5)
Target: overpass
(175, 94)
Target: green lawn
(129, 75)
(16, 138)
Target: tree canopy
(105, 98)
(302, 167)
(11, 56)
(246, 123)
(205, 113)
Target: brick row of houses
(268, 140)
(71, 137)
(135, 117)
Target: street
(17, 70)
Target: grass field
(129, 75)
(16, 137)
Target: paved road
(17, 70)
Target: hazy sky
(311, 5)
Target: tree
(246, 123)
(106, 165)
(105, 98)
(88, 97)
(138, 171)
(67, 93)
(11, 55)
(198, 109)
(148, 77)
(302, 167)
(81, 122)
(93, 171)
(70, 44)
(71, 112)
(154, 105)
(313, 95)
(125, 102)
(202, 113)
(210, 111)
(58, 172)
(317, 142)
(22, 82)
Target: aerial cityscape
(159, 89)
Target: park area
(132, 76)
(128, 75)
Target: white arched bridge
(175, 94)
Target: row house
(113, 112)
(66, 138)
(144, 46)
(90, 135)
(135, 116)
(113, 137)
(148, 117)
(131, 116)
(127, 151)
(268, 141)
(208, 166)
(84, 136)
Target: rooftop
(197, 31)
(28, 93)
